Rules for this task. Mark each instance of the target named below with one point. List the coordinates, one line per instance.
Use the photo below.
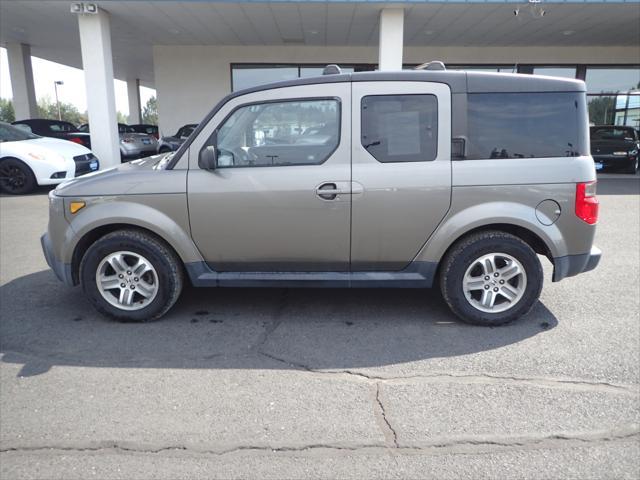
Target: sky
(73, 91)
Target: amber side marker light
(75, 207)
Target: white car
(28, 160)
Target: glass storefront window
(252, 76)
(564, 72)
(485, 68)
(317, 71)
(602, 109)
(612, 80)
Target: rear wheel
(131, 275)
(491, 278)
(16, 178)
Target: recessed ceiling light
(568, 32)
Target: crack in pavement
(277, 317)
(389, 432)
(481, 444)
(482, 378)
(348, 374)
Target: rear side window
(400, 128)
(524, 125)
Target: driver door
(262, 208)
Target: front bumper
(571, 265)
(62, 270)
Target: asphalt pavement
(286, 383)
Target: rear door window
(524, 125)
(400, 128)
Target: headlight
(633, 153)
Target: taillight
(76, 140)
(586, 202)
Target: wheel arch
(99, 220)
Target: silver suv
(405, 179)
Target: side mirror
(208, 158)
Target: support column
(133, 93)
(97, 62)
(21, 73)
(391, 39)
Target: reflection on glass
(400, 128)
(622, 109)
(563, 72)
(520, 125)
(252, 77)
(602, 109)
(485, 68)
(612, 80)
(280, 133)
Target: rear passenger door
(401, 170)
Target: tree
(68, 111)
(7, 113)
(150, 112)
(122, 118)
(602, 110)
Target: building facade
(195, 52)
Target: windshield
(185, 130)
(61, 127)
(10, 133)
(125, 129)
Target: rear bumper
(62, 270)
(614, 161)
(571, 265)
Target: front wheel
(491, 278)
(131, 275)
(16, 178)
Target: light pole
(55, 87)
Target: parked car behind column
(55, 129)
(28, 160)
(615, 147)
(171, 143)
(147, 129)
(132, 144)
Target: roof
(459, 81)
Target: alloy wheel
(127, 280)
(494, 283)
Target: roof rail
(331, 69)
(434, 65)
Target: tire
(149, 293)
(632, 168)
(509, 252)
(16, 178)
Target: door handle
(329, 191)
